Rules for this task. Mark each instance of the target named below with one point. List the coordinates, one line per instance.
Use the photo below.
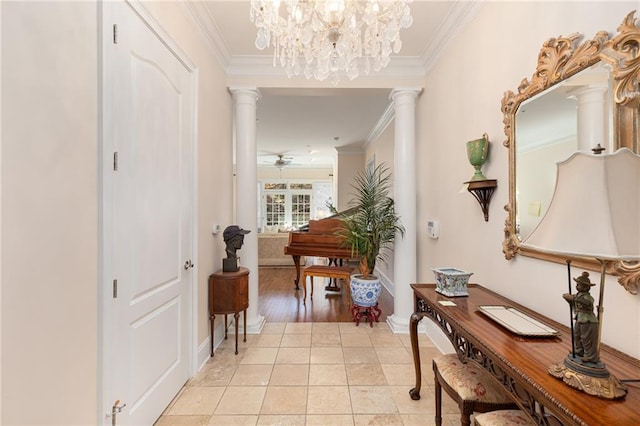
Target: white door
(152, 133)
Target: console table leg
(413, 332)
(244, 321)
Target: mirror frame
(559, 59)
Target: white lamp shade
(595, 208)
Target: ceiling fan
(282, 161)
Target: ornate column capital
(245, 93)
(400, 94)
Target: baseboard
(275, 262)
(386, 282)
(438, 337)
(203, 354)
(204, 347)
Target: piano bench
(328, 272)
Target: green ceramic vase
(478, 152)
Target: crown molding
(387, 116)
(460, 15)
(209, 30)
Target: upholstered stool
(472, 388)
(503, 418)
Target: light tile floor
(312, 374)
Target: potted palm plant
(370, 227)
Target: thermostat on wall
(433, 229)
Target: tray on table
(517, 321)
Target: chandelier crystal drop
(323, 38)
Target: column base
(254, 325)
(398, 325)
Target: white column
(245, 100)
(592, 117)
(404, 192)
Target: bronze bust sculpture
(233, 237)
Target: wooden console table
(520, 364)
(229, 294)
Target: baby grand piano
(316, 239)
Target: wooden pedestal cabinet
(229, 294)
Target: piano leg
(333, 282)
(296, 261)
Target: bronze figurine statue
(585, 331)
(233, 237)
(582, 368)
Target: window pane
(276, 186)
(275, 208)
(300, 209)
(308, 186)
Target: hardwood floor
(280, 302)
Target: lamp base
(590, 378)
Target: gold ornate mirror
(564, 64)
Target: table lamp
(594, 213)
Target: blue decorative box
(452, 282)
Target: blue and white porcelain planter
(365, 293)
(452, 282)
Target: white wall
(50, 180)
(49, 213)
(462, 101)
(317, 173)
(348, 163)
(382, 149)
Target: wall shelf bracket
(482, 190)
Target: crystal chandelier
(326, 37)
